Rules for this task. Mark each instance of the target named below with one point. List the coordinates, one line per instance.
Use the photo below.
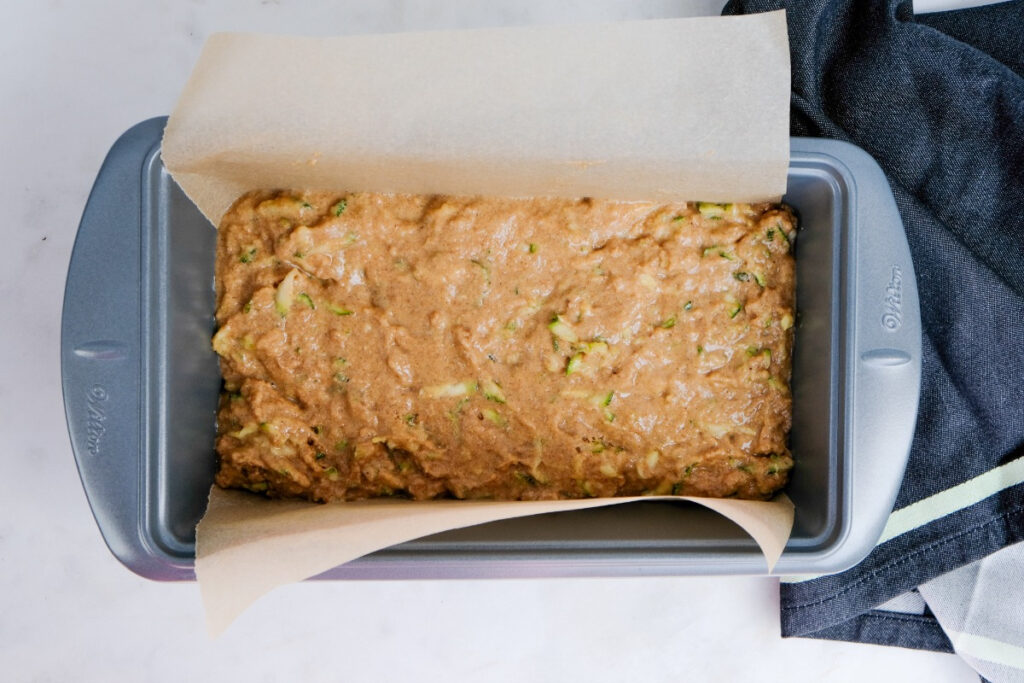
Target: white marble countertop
(73, 77)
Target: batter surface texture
(432, 346)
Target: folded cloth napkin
(979, 609)
(938, 100)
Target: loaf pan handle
(101, 346)
(884, 356)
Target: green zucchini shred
(785, 237)
(715, 249)
(525, 477)
(492, 391)
(494, 417)
(338, 310)
(562, 330)
(711, 211)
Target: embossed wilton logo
(892, 319)
(95, 416)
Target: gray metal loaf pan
(141, 384)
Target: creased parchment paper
(678, 109)
(659, 110)
(247, 546)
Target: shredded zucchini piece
(485, 269)
(562, 330)
(526, 478)
(338, 310)
(715, 249)
(245, 431)
(594, 347)
(495, 417)
(285, 293)
(711, 211)
(785, 237)
(466, 388)
(492, 391)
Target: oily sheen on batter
(433, 346)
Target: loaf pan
(141, 383)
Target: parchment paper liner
(653, 110)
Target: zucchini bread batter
(435, 346)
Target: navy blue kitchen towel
(938, 100)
